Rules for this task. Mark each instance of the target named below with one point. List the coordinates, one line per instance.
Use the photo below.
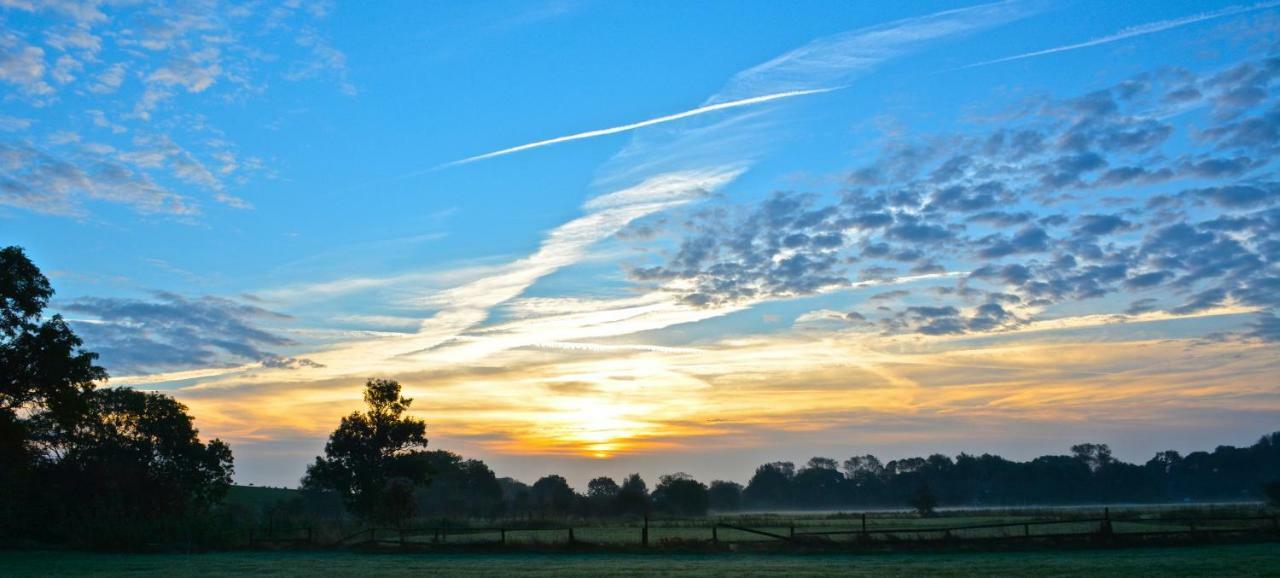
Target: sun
(596, 427)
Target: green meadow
(1219, 560)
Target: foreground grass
(1220, 560)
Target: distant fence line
(1103, 527)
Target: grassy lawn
(1223, 560)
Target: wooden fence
(726, 533)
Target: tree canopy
(373, 452)
(81, 462)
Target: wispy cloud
(1139, 30)
(837, 59)
(635, 125)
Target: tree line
(114, 467)
(377, 463)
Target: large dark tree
(44, 376)
(552, 495)
(81, 463)
(459, 487)
(133, 463)
(681, 495)
(724, 496)
(633, 496)
(372, 453)
(603, 494)
(770, 486)
(43, 372)
(818, 484)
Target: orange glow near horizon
(751, 391)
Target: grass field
(1221, 560)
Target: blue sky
(872, 228)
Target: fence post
(309, 535)
(503, 539)
(1026, 530)
(401, 537)
(715, 535)
(571, 540)
(792, 533)
(1105, 529)
(865, 536)
(644, 532)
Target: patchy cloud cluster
(126, 77)
(1160, 188)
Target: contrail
(1139, 30)
(643, 123)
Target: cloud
(109, 80)
(929, 202)
(324, 60)
(42, 181)
(172, 331)
(137, 60)
(1265, 328)
(1239, 196)
(1139, 30)
(835, 60)
(23, 65)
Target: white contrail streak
(1139, 30)
(641, 124)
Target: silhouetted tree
(44, 375)
(1272, 491)
(770, 486)
(633, 496)
(681, 495)
(924, 501)
(397, 504)
(552, 495)
(724, 496)
(459, 487)
(515, 495)
(134, 462)
(1096, 456)
(370, 449)
(603, 493)
(865, 479)
(818, 484)
(79, 463)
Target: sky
(595, 238)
